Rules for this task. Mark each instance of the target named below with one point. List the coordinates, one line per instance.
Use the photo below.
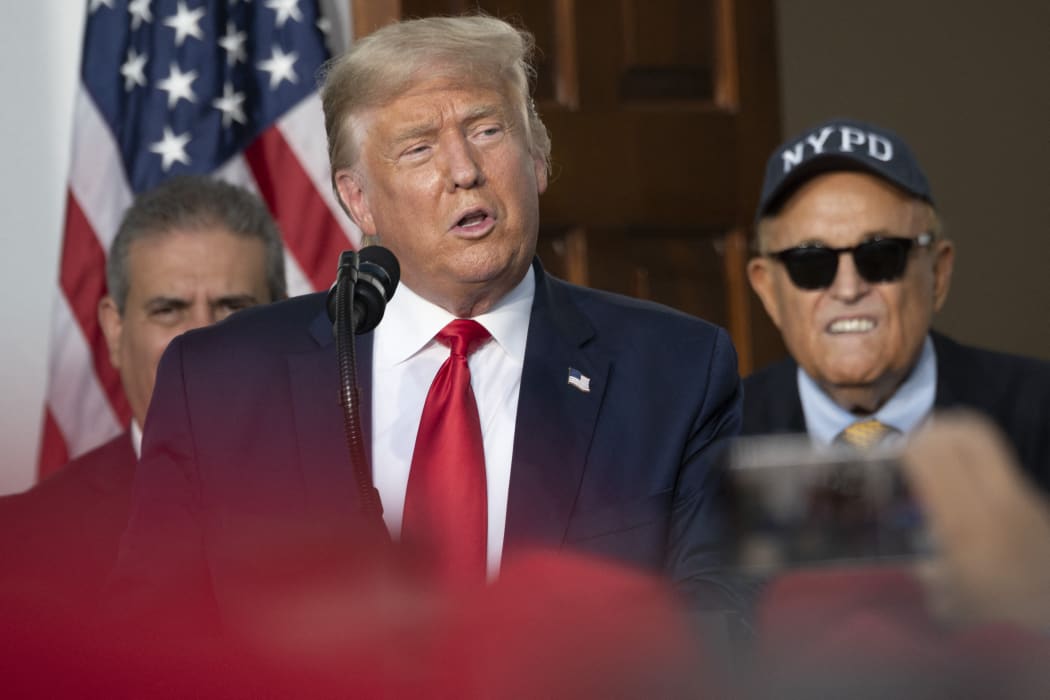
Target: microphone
(376, 273)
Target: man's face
(447, 181)
(177, 281)
(857, 339)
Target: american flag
(183, 86)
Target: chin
(852, 375)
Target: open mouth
(850, 325)
(475, 221)
(474, 217)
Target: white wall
(39, 57)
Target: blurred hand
(992, 527)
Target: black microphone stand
(344, 326)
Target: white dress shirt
(136, 438)
(907, 408)
(405, 360)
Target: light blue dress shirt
(906, 410)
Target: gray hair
(189, 203)
(380, 66)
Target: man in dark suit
(852, 265)
(599, 415)
(187, 254)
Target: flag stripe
(53, 449)
(311, 233)
(303, 129)
(77, 401)
(148, 107)
(96, 174)
(83, 280)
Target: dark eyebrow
(242, 299)
(159, 301)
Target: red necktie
(446, 516)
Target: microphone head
(380, 263)
(378, 273)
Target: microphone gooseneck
(365, 281)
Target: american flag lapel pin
(579, 380)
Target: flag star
(284, 10)
(230, 106)
(140, 13)
(178, 85)
(280, 66)
(233, 44)
(186, 23)
(96, 4)
(171, 148)
(133, 68)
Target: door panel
(661, 114)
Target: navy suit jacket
(1013, 391)
(244, 442)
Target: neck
(468, 300)
(862, 399)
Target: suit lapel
(948, 376)
(555, 419)
(794, 416)
(314, 376)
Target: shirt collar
(908, 406)
(411, 322)
(136, 438)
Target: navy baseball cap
(840, 144)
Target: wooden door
(661, 114)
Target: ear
(540, 167)
(943, 264)
(112, 327)
(355, 200)
(760, 275)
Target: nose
(848, 285)
(200, 315)
(461, 163)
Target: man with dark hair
(852, 264)
(187, 254)
(563, 417)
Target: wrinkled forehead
(846, 206)
(426, 101)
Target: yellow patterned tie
(865, 434)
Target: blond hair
(379, 67)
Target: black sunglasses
(877, 260)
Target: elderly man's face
(857, 339)
(447, 181)
(177, 281)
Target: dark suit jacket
(245, 432)
(59, 540)
(1014, 391)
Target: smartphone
(793, 503)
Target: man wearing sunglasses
(851, 266)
